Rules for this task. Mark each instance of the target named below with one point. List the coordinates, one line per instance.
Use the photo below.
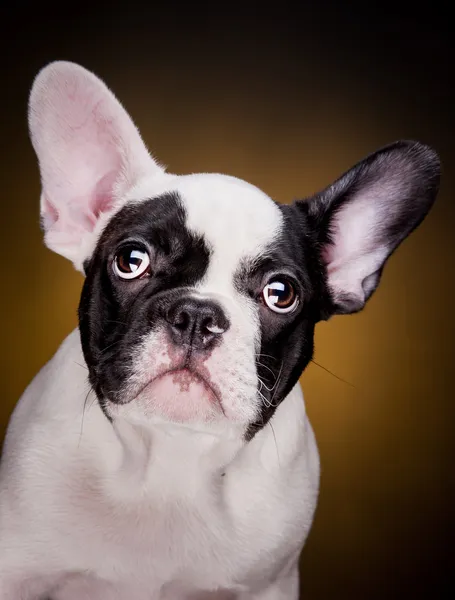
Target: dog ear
(365, 215)
(89, 152)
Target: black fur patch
(113, 314)
(286, 339)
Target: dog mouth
(183, 377)
(180, 393)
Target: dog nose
(196, 322)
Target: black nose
(197, 323)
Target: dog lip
(195, 373)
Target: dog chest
(200, 541)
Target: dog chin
(180, 396)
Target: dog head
(202, 293)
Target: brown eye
(280, 296)
(131, 263)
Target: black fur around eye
(131, 262)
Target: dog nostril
(211, 326)
(181, 320)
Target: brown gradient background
(287, 100)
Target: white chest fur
(156, 511)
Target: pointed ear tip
(422, 151)
(48, 84)
(51, 75)
(56, 68)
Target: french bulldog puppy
(164, 452)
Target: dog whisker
(333, 374)
(82, 366)
(263, 398)
(276, 445)
(277, 382)
(84, 411)
(265, 367)
(263, 385)
(117, 322)
(110, 346)
(268, 403)
(267, 356)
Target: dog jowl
(197, 318)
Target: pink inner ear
(49, 213)
(80, 214)
(327, 256)
(103, 199)
(90, 162)
(82, 157)
(89, 150)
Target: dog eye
(280, 296)
(131, 263)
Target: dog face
(202, 293)
(207, 304)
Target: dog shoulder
(47, 416)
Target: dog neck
(179, 457)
